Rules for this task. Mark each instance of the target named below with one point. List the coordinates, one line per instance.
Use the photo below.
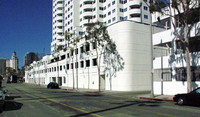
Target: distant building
(30, 57)
(3, 66)
(14, 62)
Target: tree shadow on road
(11, 97)
(11, 105)
(123, 105)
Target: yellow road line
(52, 100)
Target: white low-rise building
(133, 44)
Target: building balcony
(59, 24)
(87, 14)
(57, 1)
(59, 12)
(59, 30)
(134, 11)
(88, 0)
(59, 6)
(59, 18)
(134, 2)
(60, 43)
(86, 6)
(59, 37)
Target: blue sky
(25, 26)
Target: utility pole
(152, 91)
(161, 70)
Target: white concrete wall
(133, 43)
(173, 87)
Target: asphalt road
(25, 100)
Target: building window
(122, 1)
(109, 13)
(94, 45)
(64, 80)
(134, 15)
(102, 1)
(113, 2)
(108, 5)
(145, 8)
(134, 6)
(122, 10)
(94, 61)
(76, 64)
(67, 66)
(61, 68)
(54, 68)
(123, 18)
(113, 19)
(72, 66)
(109, 21)
(145, 16)
(87, 47)
(76, 51)
(87, 63)
(82, 64)
(113, 11)
(82, 49)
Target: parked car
(53, 85)
(188, 98)
(2, 98)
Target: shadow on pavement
(11, 105)
(131, 103)
(11, 97)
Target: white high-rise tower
(14, 62)
(75, 15)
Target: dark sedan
(188, 98)
(53, 85)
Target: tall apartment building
(29, 58)
(75, 15)
(14, 62)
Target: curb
(156, 99)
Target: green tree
(97, 35)
(184, 14)
(10, 71)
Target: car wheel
(181, 101)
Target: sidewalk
(126, 94)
